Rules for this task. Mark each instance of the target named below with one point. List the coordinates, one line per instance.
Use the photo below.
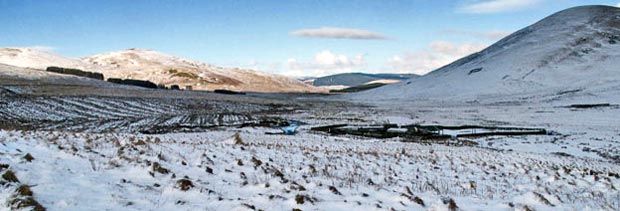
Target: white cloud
(324, 63)
(436, 55)
(618, 5)
(338, 33)
(327, 59)
(493, 35)
(496, 6)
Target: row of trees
(99, 76)
(75, 72)
(133, 82)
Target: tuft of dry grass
(256, 162)
(20, 203)
(28, 157)
(238, 140)
(409, 195)
(3, 166)
(452, 205)
(542, 199)
(419, 201)
(302, 198)
(334, 190)
(9, 176)
(24, 190)
(296, 186)
(158, 168)
(184, 184)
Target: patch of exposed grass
(186, 75)
(158, 168)
(3, 166)
(300, 199)
(256, 162)
(238, 140)
(334, 190)
(9, 176)
(296, 186)
(184, 184)
(24, 190)
(172, 71)
(20, 203)
(28, 157)
(452, 205)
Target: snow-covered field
(217, 171)
(130, 115)
(85, 153)
(96, 166)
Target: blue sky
(296, 38)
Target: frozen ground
(216, 171)
(82, 150)
(85, 168)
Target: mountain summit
(577, 49)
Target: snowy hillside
(159, 68)
(574, 51)
(22, 79)
(33, 58)
(167, 69)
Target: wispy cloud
(436, 55)
(493, 35)
(339, 33)
(497, 6)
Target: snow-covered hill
(159, 68)
(168, 70)
(575, 51)
(38, 59)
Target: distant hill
(357, 79)
(167, 69)
(160, 68)
(359, 88)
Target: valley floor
(88, 153)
